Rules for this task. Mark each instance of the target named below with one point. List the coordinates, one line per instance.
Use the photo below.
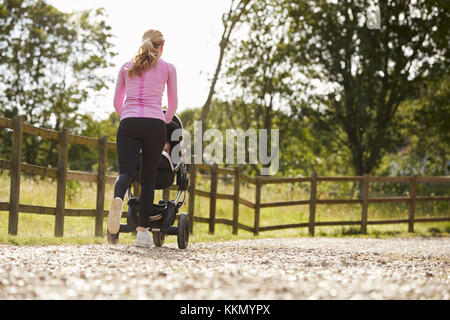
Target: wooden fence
(312, 202)
(62, 174)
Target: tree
(49, 65)
(229, 21)
(365, 73)
(432, 128)
(259, 75)
(85, 158)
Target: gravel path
(302, 268)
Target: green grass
(34, 229)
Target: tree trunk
(229, 20)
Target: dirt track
(319, 268)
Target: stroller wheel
(183, 231)
(112, 238)
(158, 238)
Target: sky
(192, 30)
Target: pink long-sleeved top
(144, 93)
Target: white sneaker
(114, 215)
(143, 239)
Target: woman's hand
(167, 147)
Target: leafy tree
(261, 82)
(368, 73)
(300, 153)
(259, 66)
(432, 128)
(188, 117)
(426, 123)
(84, 158)
(50, 64)
(229, 20)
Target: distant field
(38, 229)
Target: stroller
(164, 213)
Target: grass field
(39, 229)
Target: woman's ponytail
(148, 54)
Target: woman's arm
(120, 91)
(172, 95)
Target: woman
(142, 126)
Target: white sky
(191, 28)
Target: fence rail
(62, 174)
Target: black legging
(134, 134)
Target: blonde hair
(148, 54)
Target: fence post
(257, 205)
(62, 179)
(15, 169)
(212, 199)
(412, 207)
(101, 177)
(166, 194)
(312, 203)
(191, 208)
(236, 200)
(365, 203)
